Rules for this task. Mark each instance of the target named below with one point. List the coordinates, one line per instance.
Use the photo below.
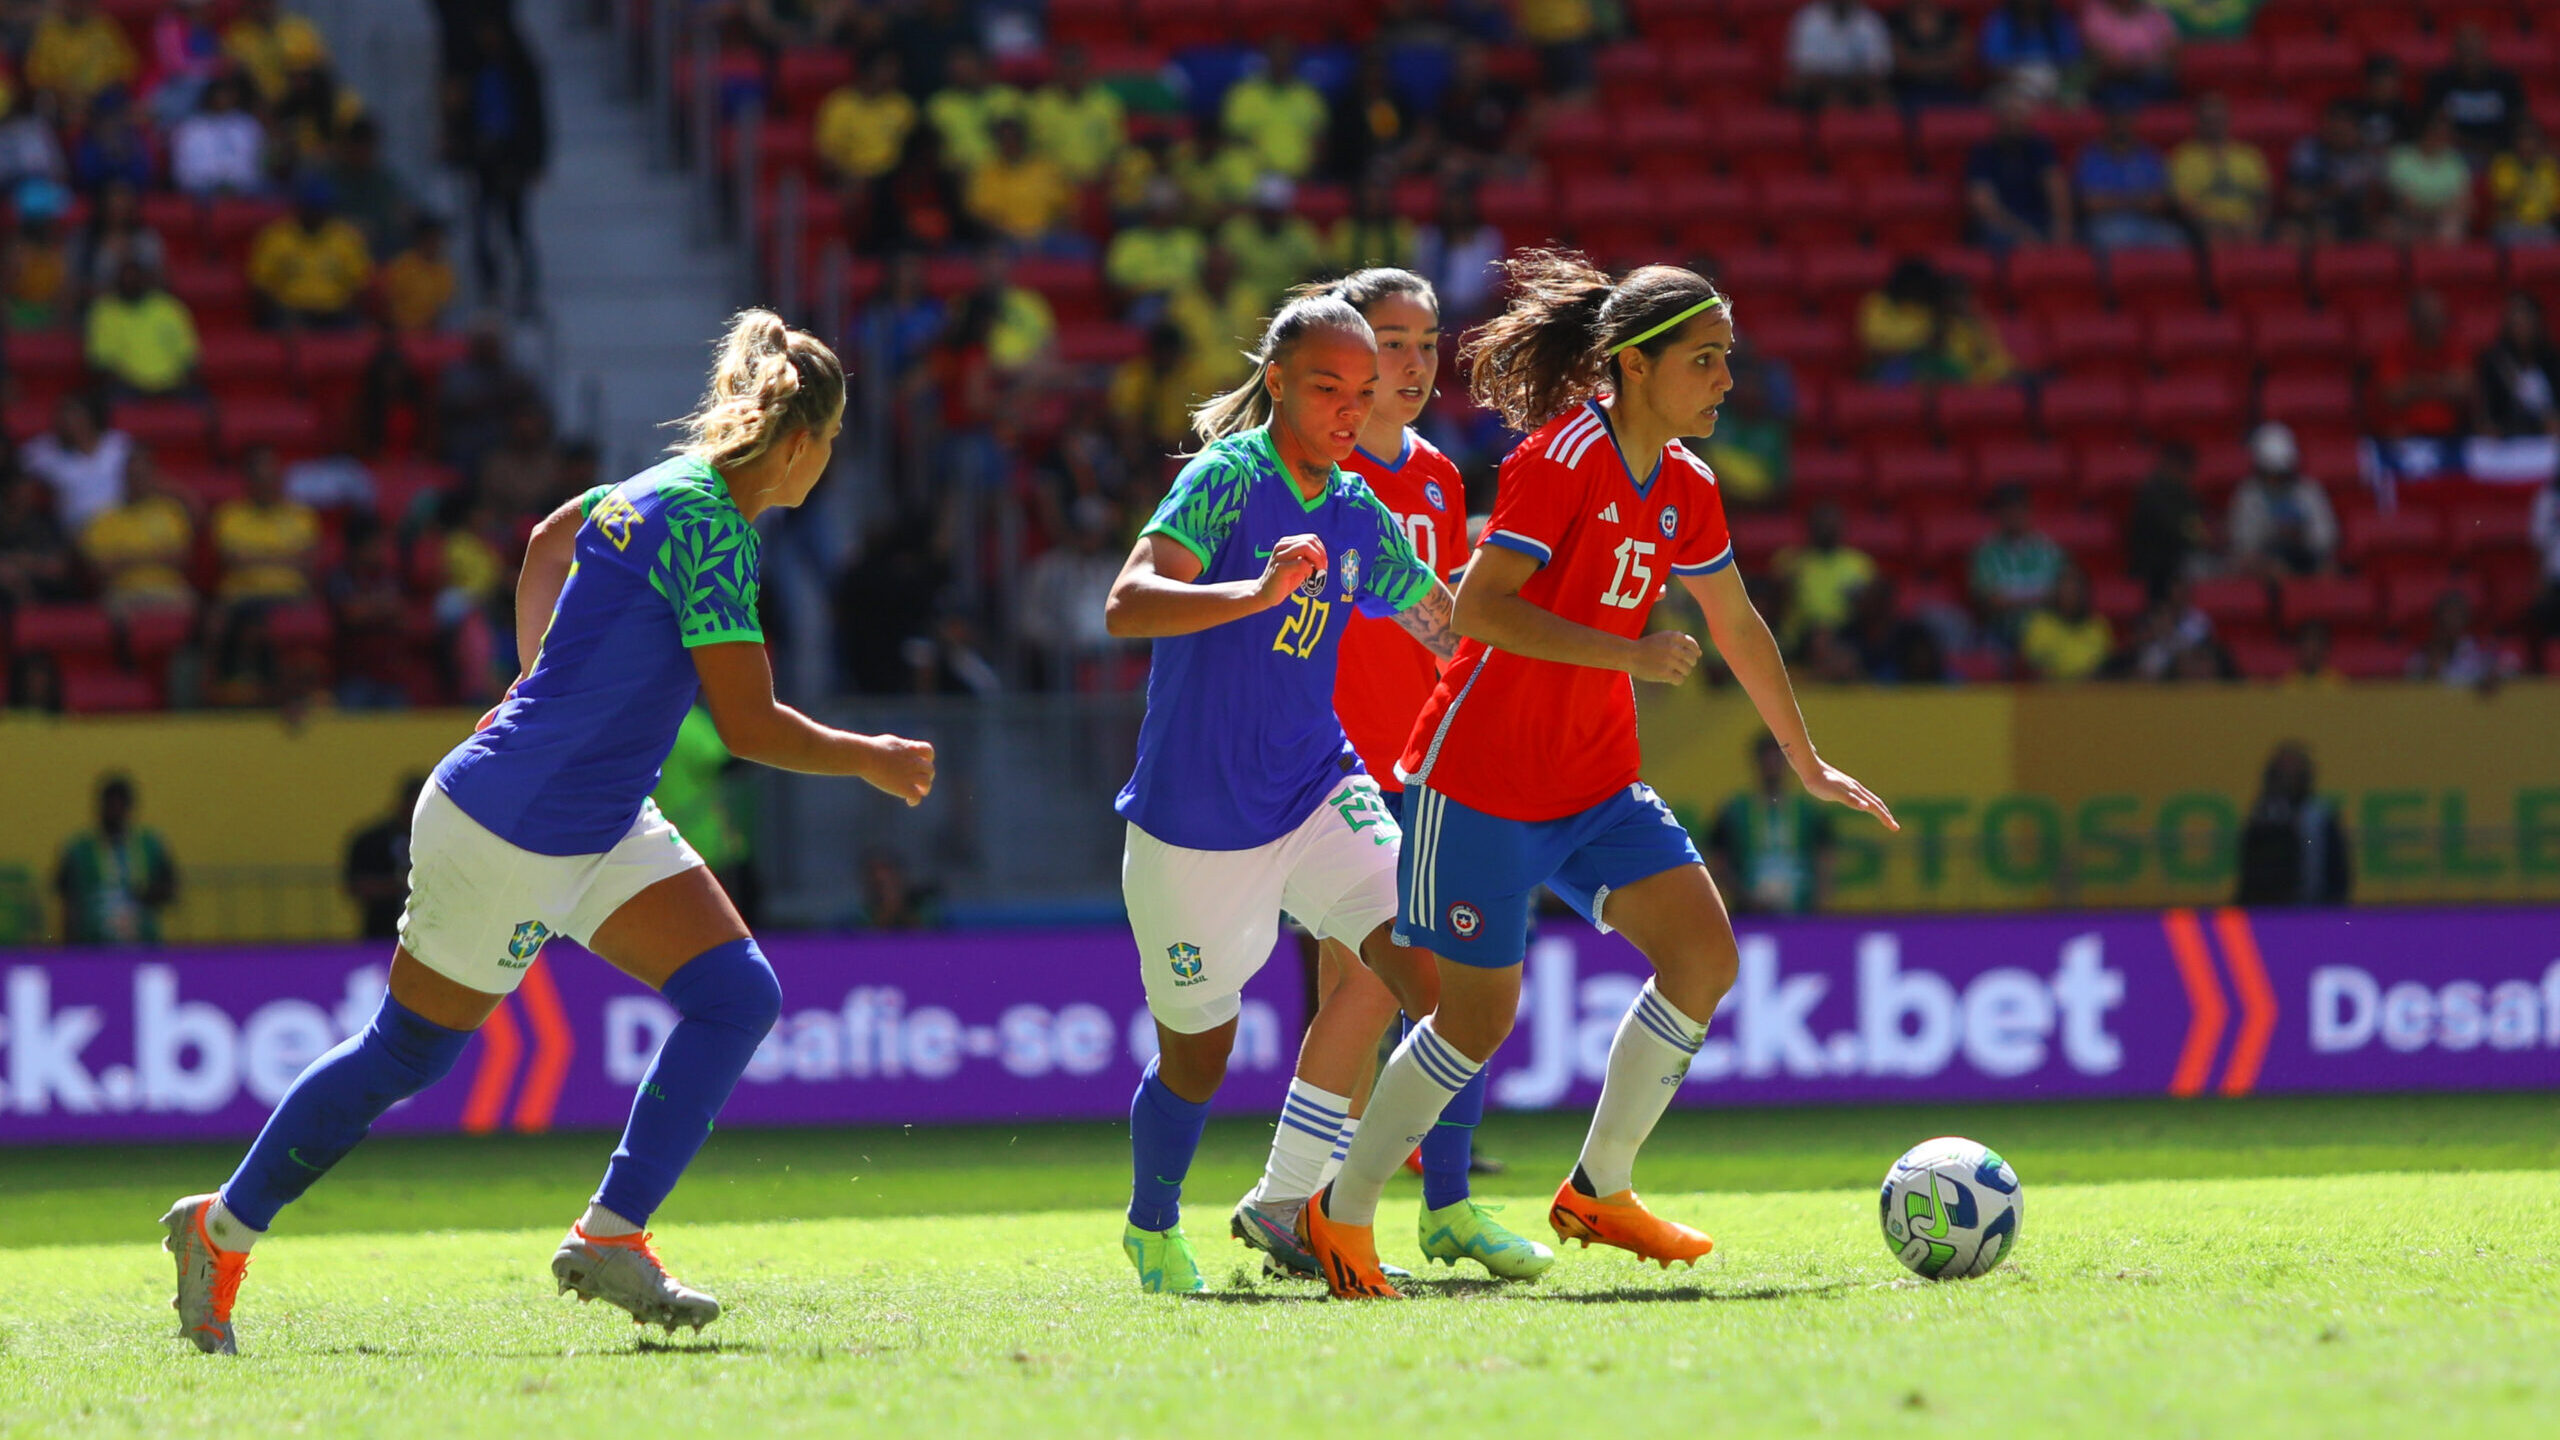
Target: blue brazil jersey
(663, 563)
(1240, 743)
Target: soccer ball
(1951, 1209)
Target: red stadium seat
(2359, 275)
(1950, 535)
(1915, 475)
(2319, 336)
(2120, 598)
(291, 426)
(92, 691)
(1945, 136)
(1087, 22)
(1517, 207)
(216, 291)
(153, 634)
(2315, 68)
(1713, 69)
(2261, 657)
(1810, 209)
(1911, 212)
(2465, 275)
(2270, 122)
(1819, 472)
(2407, 531)
(2309, 400)
(2081, 408)
(2048, 277)
(1885, 538)
(1863, 142)
(1713, 214)
(61, 630)
(803, 75)
(1634, 67)
(1757, 139)
(244, 362)
(2044, 468)
(2409, 601)
(2255, 277)
(1688, 21)
(2338, 600)
(2087, 538)
(2233, 65)
(2189, 406)
(2231, 600)
(2485, 529)
(1665, 141)
(1767, 277)
(2535, 268)
(232, 222)
(1973, 412)
(2153, 277)
(176, 430)
(1758, 536)
(2192, 342)
(1836, 277)
(2096, 342)
(1819, 345)
(1179, 24)
(1098, 343)
(1859, 409)
(1569, 135)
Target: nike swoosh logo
(294, 1154)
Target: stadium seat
(2479, 529)
(2368, 657)
(2409, 601)
(1602, 208)
(2260, 657)
(1837, 277)
(2231, 600)
(2278, 337)
(1664, 141)
(1945, 136)
(2343, 601)
(1185, 24)
(1712, 214)
(1977, 412)
(2051, 277)
(1820, 472)
(291, 426)
(2232, 65)
(215, 290)
(2309, 400)
(1810, 210)
(2043, 467)
(1569, 135)
(2200, 342)
(2535, 268)
(2271, 122)
(1906, 213)
(2315, 69)
(1758, 141)
(2409, 531)
(1632, 67)
(90, 690)
(1098, 343)
(60, 630)
(1862, 142)
(1088, 22)
(2188, 407)
(1765, 276)
(2250, 278)
(300, 626)
(2081, 409)
(1714, 68)
(2149, 277)
(1919, 476)
(803, 75)
(2089, 539)
(2120, 598)
(1694, 23)
(1859, 410)
(153, 633)
(2465, 275)
(244, 362)
(176, 430)
(1523, 208)
(1950, 535)
(1759, 536)
(1815, 344)
(2358, 276)
(2086, 343)
(231, 222)
(1883, 535)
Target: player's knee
(1475, 1031)
(730, 984)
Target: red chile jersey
(1385, 675)
(1527, 739)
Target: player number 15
(1634, 580)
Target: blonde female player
(1385, 679)
(1246, 800)
(633, 598)
(1525, 770)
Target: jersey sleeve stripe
(1708, 568)
(1566, 437)
(1509, 540)
(1165, 528)
(1581, 447)
(723, 637)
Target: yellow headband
(1675, 321)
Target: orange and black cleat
(1347, 1254)
(1622, 1220)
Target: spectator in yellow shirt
(1278, 116)
(310, 267)
(141, 337)
(78, 54)
(1823, 575)
(140, 547)
(1148, 262)
(1221, 318)
(266, 542)
(1151, 397)
(1075, 122)
(1274, 246)
(862, 126)
(1564, 32)
(2221, 184)
(965, 111)
(269, 46)
(35, 261)
(1019, 195)
(1021, 327)
(418, 284)
(2067, 640)
(2524, 187)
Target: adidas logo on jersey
(1610, 514)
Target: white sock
(1646, 1063)
(1341, 1148)
(1310, 1121)
(227, 1230)
(1412, 1091)
(603, 1224)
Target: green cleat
(1468, 1231)
(1165, 1263)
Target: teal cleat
(1275, 1237)
(1164, 1261)
(1468, 1231)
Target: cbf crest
(1185, 958)
(1350, 574)
(1670, 522)
(527, 943)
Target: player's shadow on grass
(640, 1345)
(1686, 1294)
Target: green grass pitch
(2379, 1267)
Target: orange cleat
(1347, 1254)
(1622, 1220)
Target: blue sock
(1164, 1133)
(1451, 1147)
(729, 1000)
(334, 1103)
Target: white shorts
(1206, 919)
(480, 908)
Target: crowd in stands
(253, 454)
(2061, 322)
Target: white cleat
(208, 1277)
(624, 1271)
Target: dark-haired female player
(1525, 770)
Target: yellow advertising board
(2122, 795)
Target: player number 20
(1302, 629)
(1634, 580)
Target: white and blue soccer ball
(1951, 1209)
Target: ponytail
(1556, 344)
(768, 381)
(1248, 406)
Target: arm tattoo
(1428, 622)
